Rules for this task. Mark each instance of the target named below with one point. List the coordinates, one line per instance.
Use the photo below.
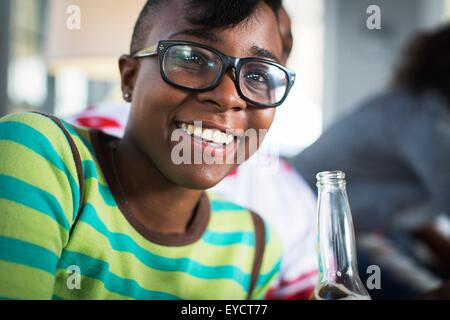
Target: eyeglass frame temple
(147, 52)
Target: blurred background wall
(47, 66)
(359, 61)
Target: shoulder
(34, 122)
(35, 131)
(38, 165)
(52, 131)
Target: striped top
(63, 240)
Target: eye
(194, 59)
(257, 79)
(260, 77)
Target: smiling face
(159, 108)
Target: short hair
(425, 63)
(210, 14)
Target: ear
(129, 69)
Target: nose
(225, 96)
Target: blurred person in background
(395, 150)
(282, 197)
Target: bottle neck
(331, 180)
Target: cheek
(150, 91)
(150, 124)
(261, 119)
(154, 101)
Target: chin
(197, 178)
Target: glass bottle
(338, 278)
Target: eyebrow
(198, 33)
(264, 53)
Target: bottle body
(338, 278)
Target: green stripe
(123, 242)
(18, 191)
(74, 132)
(34, 140)
(28, 254)
(99, 270)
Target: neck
(150, 195)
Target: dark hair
(210, 14)
(426, 63)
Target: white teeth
(198, 132)
(190, 129)
(207, 134)
(215, 136)
(219, 137)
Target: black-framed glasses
(196, 67)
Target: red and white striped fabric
(266, 185)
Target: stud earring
(127, 96)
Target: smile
(207, 134)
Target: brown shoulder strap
(260, 240)
(75, 152)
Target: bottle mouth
(331, 178)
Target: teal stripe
(124, 243)
(28, 254)
(267, 232)
(229, 238)
(34, 140)
(8, 299)
(18, 191)
(99, 270)
(218, 205)
(264, 278)
(55, 297)
(90, 172)
(71, 129)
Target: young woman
(84, 215)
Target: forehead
(284, 22)
(260, 30)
